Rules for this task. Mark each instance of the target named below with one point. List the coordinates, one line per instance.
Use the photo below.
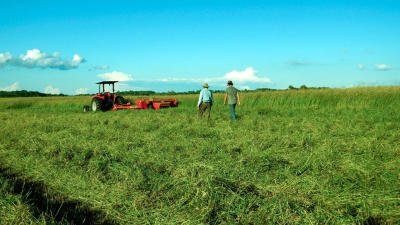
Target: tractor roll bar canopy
(106, 82)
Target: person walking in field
(232, 94)
(205, 102)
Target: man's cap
(230, 82)
(205, 85)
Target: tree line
(24, 93)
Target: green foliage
(136, 93)
(24, 93)
(311, 156)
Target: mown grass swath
(293, 157)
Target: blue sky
(68, 46)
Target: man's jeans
(232, 111)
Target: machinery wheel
(150, 106)
(96, 104)
(86, 108)
(120, 100)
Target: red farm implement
(104, 101)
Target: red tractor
(104, 101)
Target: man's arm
(200, 98)
(238, 98)
(226, 95)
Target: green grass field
(328, 156)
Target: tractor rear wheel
(96, 104)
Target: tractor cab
(103, 83)
(105, 100)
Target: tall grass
(293, 157)
(348, 98)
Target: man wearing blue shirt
(205, 102)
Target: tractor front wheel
(96, 104)
(86, 108)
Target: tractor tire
(120, 100)
(86, 108)
(97, 105)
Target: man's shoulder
(231, 88)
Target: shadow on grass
(53, 208)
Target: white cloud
(36, 58)
(81, 91)
(344, 51)
(13, 87)
(77, 58)
(297, 63)
(122, 87)
(361, 66)
(244, 88)
(100, 67)
(241, 79)
(33, 54)
(116, 76)
(382, 67)
(248, 74)
(5, 58)
(51, 90)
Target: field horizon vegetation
(308, 156)
(25, 93)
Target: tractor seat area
(108, 94)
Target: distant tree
(265, 89)
(22, 93)
(135, 93)
(171, 93)
(25, 93)
(303, 87)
